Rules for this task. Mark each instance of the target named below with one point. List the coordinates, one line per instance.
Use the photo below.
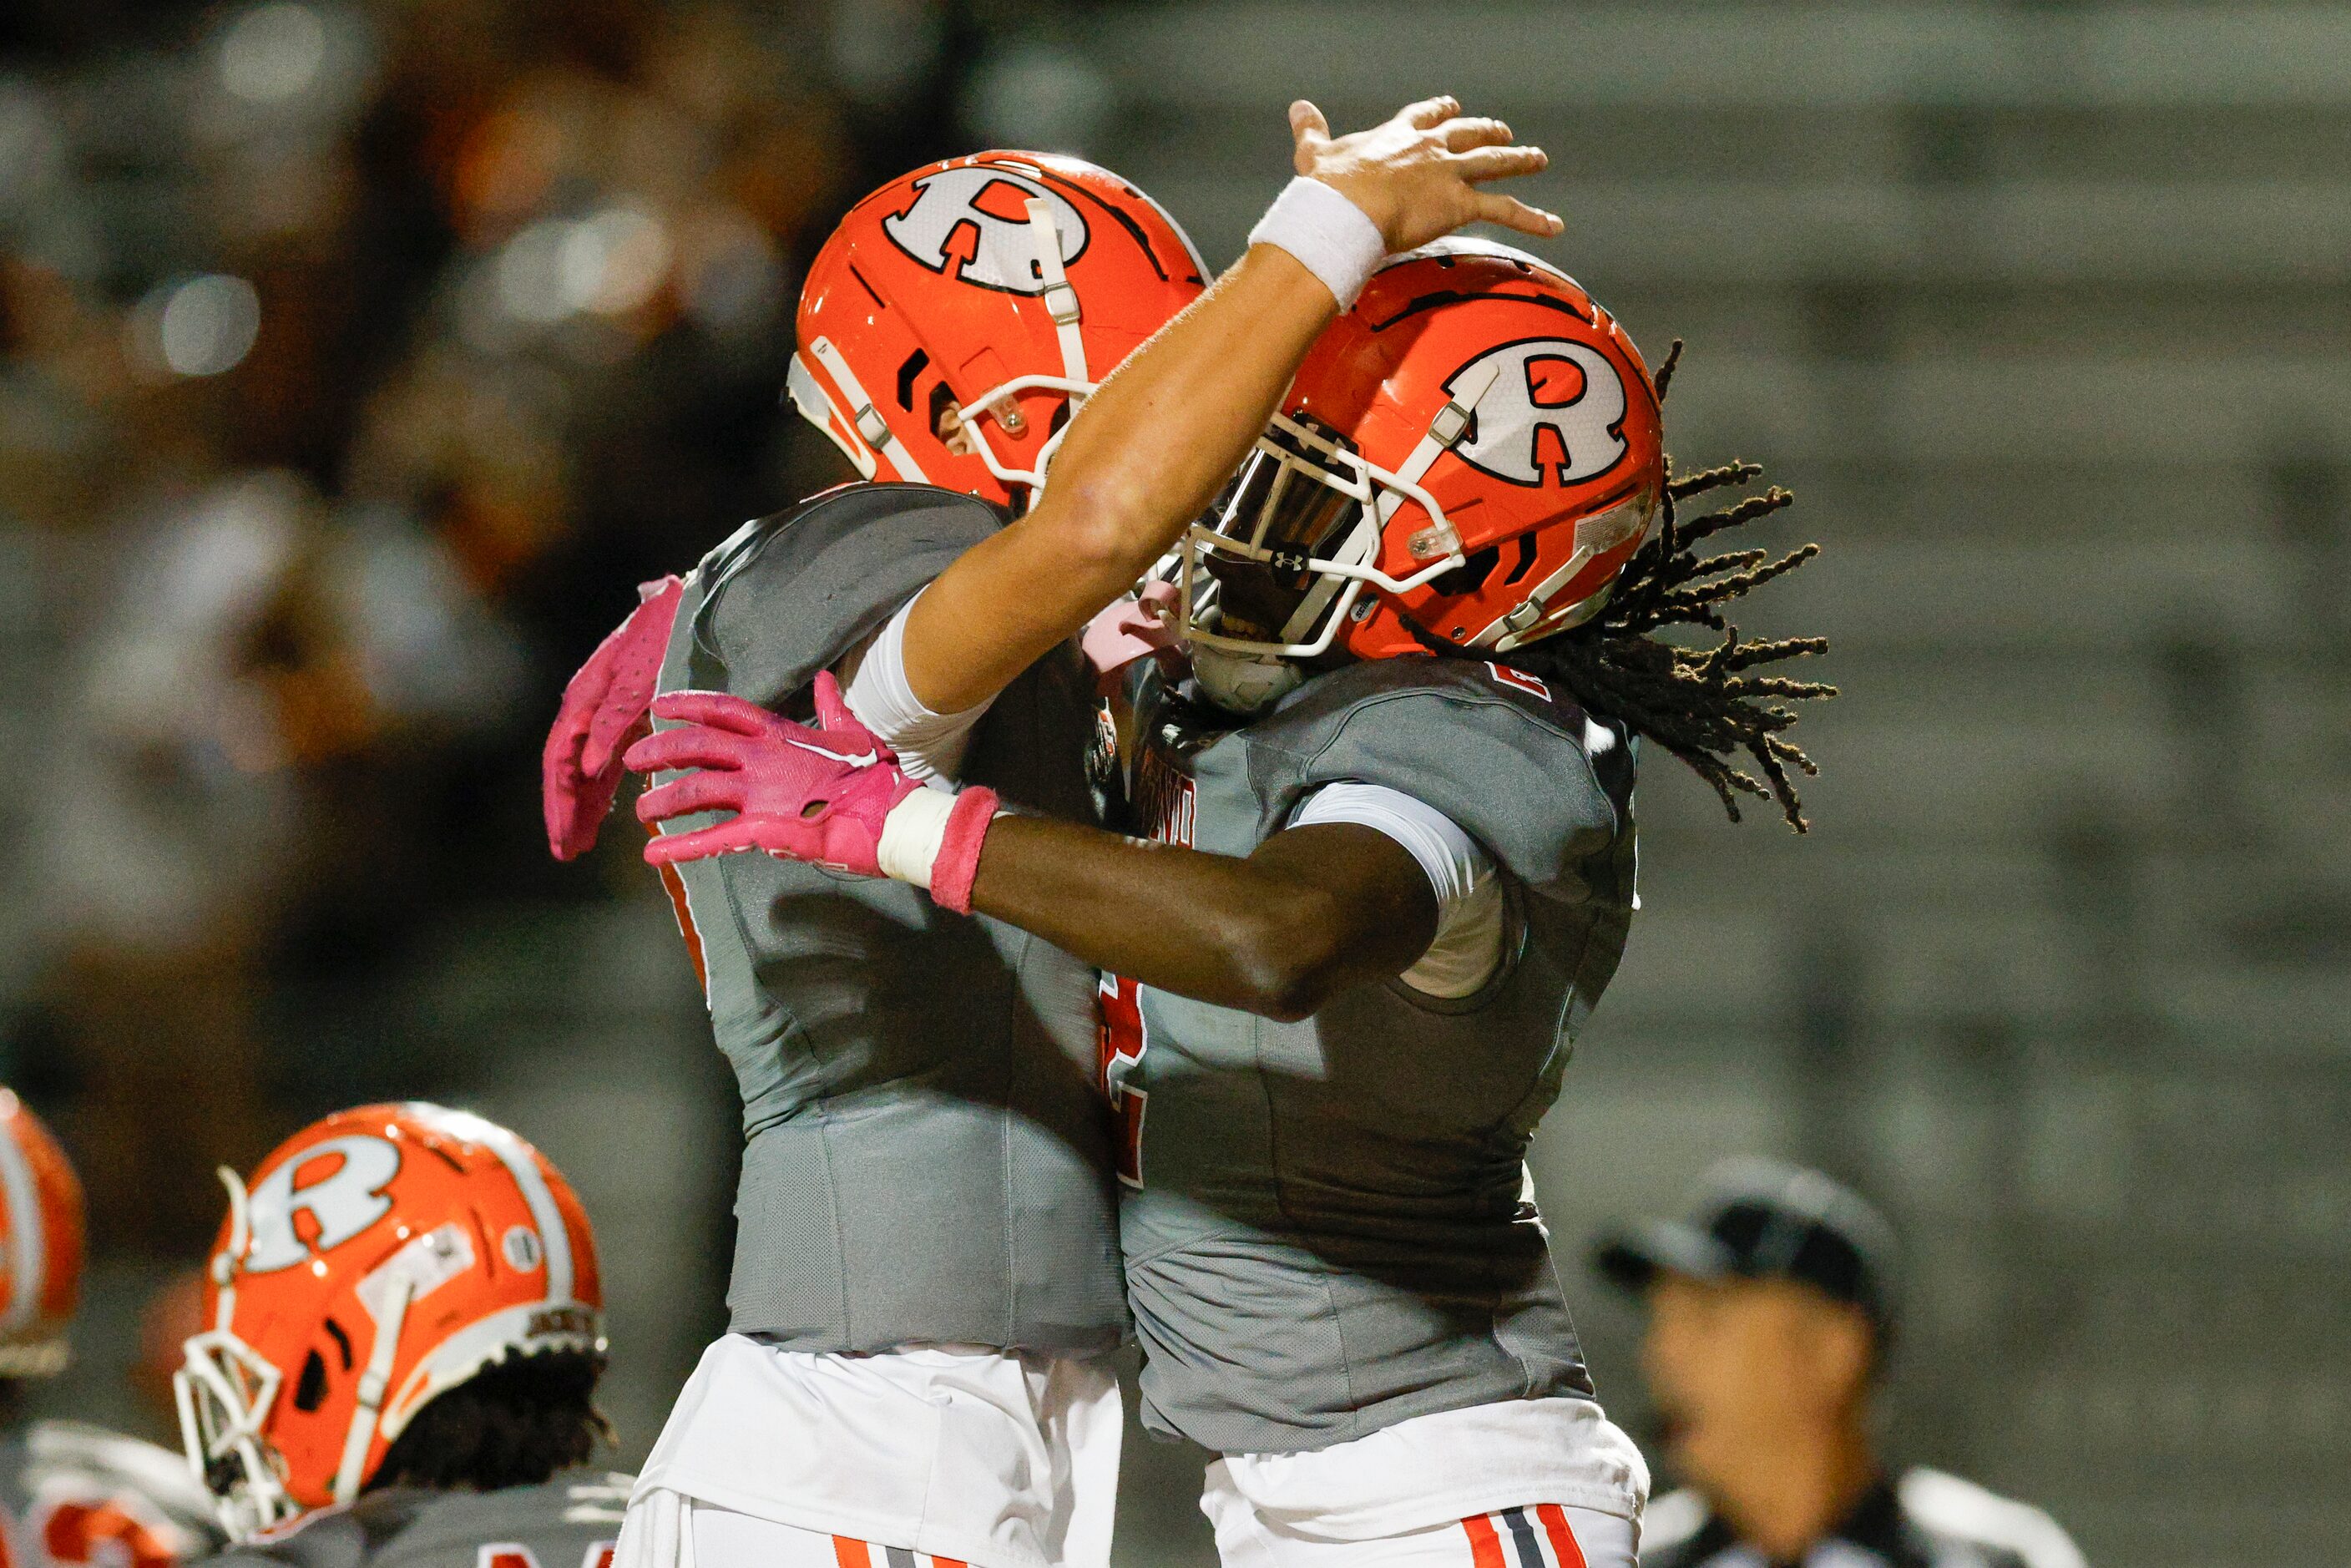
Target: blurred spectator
(1770, 1311)
(354, 356)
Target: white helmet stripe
(528, 1178)
(28, 1248)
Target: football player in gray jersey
(926, 1258)
(70, 1493)
(1389, 777)
(407, 1329)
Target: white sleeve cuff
(1472, 917)
(929, 744)
(1326, 232)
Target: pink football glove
(832, 795)
(604, 708)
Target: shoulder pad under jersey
(786, 595)
(1521, 768)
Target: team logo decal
(341, 1198)
(972, 222)
(1519, 680)
(1545, 385)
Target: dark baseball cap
(1761, 1219)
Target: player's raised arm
(1150, 448)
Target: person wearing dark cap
(1770, 1313)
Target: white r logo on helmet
(343, 1202)
(1001, 249)
(1545, 383)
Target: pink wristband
(957, 867)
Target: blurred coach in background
(1770, 1310)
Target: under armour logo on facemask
(1545, 384)
(341, 1202)
(978, 214)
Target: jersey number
(1121, 1038)
(74, 1533)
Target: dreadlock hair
(514, 1422)
(1702, 704)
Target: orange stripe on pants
(1563, 1539)
(847, 1552)
(1485, 1546)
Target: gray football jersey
(71, 1494)
(1325, 1223)
(926, 1156)
(570, 1521)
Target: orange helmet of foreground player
(1473, 451)
(378, 1259)
(1003, 286)
(40, 1244)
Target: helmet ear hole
(311, 1388)
(942, 402)
(1526, 561)
(913, 367)
(1470, 575)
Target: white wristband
(913, 834)
(1331, 235)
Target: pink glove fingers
(632, 657)
(695, 746)
(604, 707)
(703, 792)
(719, 710)
(728, 838)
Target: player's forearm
(1276, 934)
(1143, 457)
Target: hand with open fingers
(604, 708)
(831, 794)
(1417, 176)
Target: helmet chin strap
(1061, 299)
(871, 427)
(375, 1384)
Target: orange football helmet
(1474, 450)
(40, 1244)
(378, 1257)
(1004, 286)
